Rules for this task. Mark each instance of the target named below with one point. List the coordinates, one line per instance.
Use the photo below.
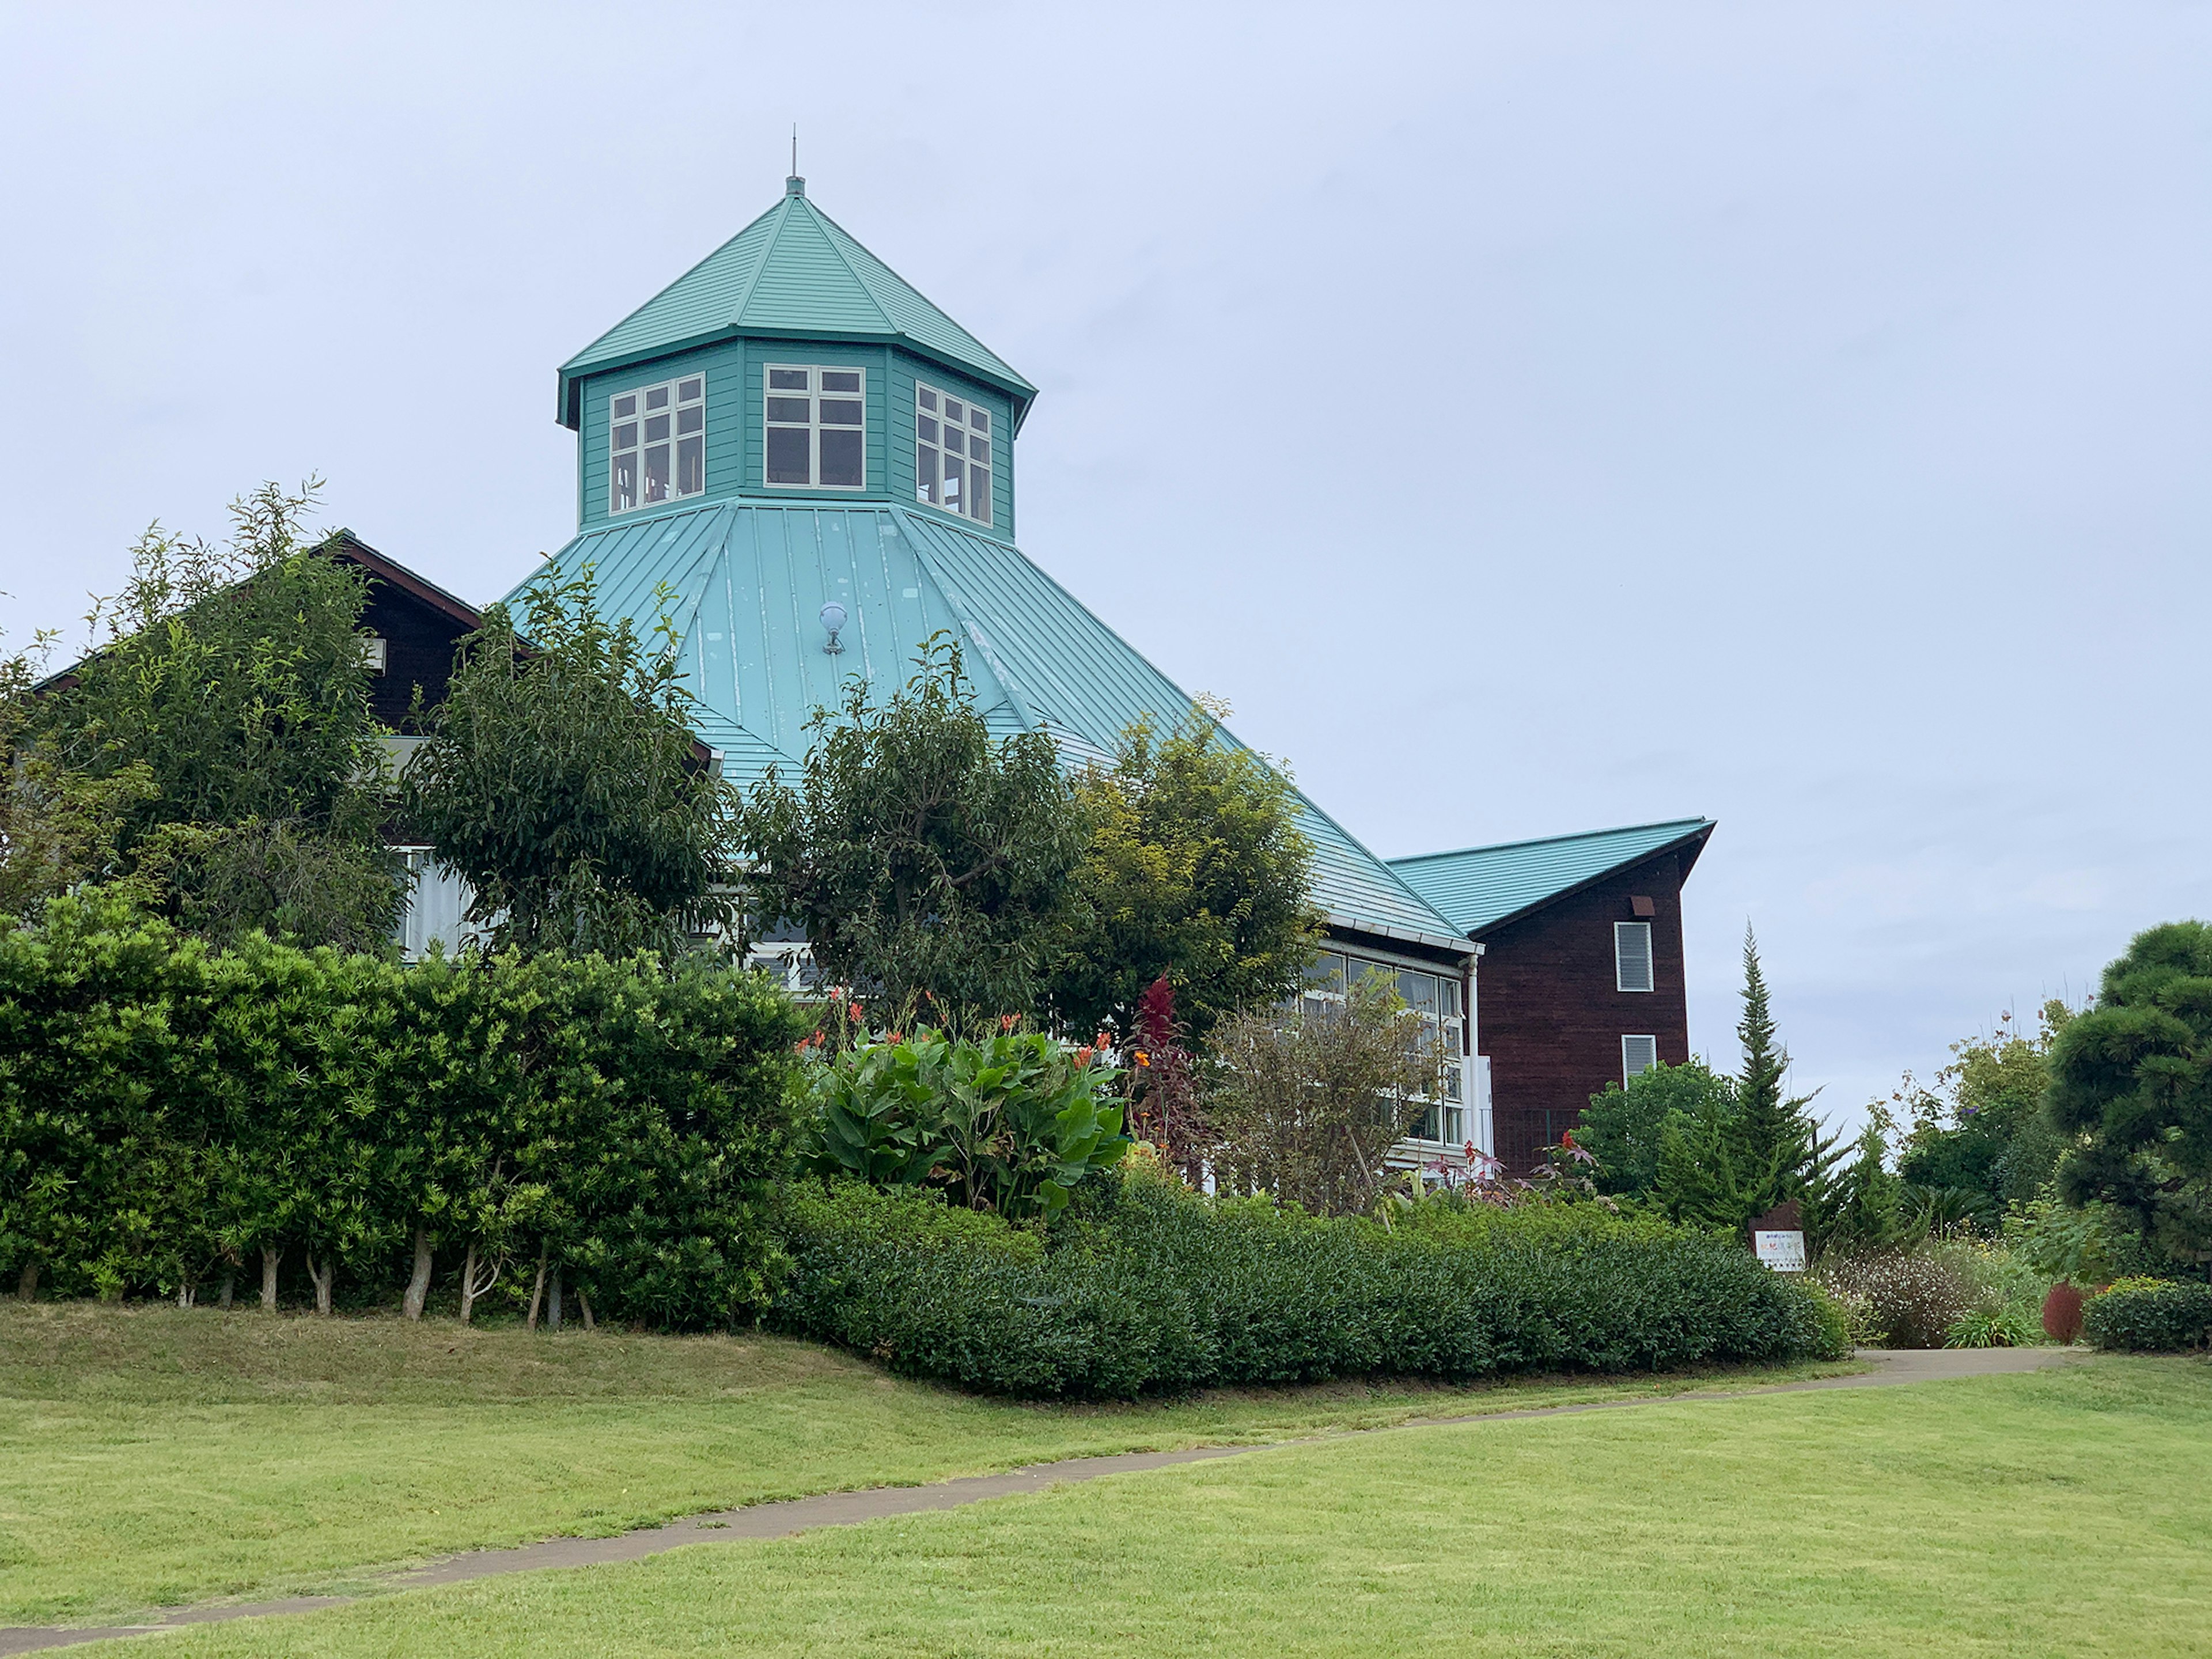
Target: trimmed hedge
(1152, 1288)
(2150, 1315)
(169, 1111)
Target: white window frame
(1623, 932)
(1627, 1075)
(814, 426)
(684, 398)
(1326, 984)
(929, 403)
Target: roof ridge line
(1685, 824)
(874, 299)
(684, 276)
(957, 603)
(782, 210)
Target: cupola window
(656, 443)
(951, 453)
(817, 426)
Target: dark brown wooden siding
(418, 650)
(1551, 1020)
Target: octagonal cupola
(792, 363)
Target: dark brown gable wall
(418, 650)
(1549, 1018)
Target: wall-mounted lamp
(833, 618)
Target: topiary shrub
(2062, 1313)
(2150, 1315)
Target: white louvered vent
(1631, 955)
(1639, 1054)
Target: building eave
(1695, 840)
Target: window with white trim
(656, 443)
(1435, 998)
(951, 453)
(816, 422)
(1639, 1054)
(1631, 955)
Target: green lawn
(150, 1456)
(2068, 1512)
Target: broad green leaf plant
(1011, 1125)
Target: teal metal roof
(751, 578)
(793, 272)
(1480, 887)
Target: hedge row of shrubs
(1145, 1286)
(174, 1117)
(2150, 1315)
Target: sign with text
(1785, 1252)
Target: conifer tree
(1782, 1151)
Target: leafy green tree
(1623, 1128)
(560, 779)
(1981, 1130)
(1196, 869)
(927, 863)
(2131, 1087)
(57, 826)
(227, 715)
(1859, 1207)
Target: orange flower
(1101, 1041)
(893, 1037)
(1082, 1056)
(854, 1010)
(1006, 1022)
(1142, 1057)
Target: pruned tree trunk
(322, 1272)
(418, 1286)
(271, 1255)
(26, 1283)
(538, 1291)
(584, 1306)
(229, 1284)
(553, 1300)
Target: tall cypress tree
(1780, 1145)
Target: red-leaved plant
(1166, 1091)
(2062, 1313)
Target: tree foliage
(927, 863)
(2132, 1085)
(559, 779)
(1305, 1102)
(1980, 1130)
(1624, 1128)
(223, 732)
(1196, 870)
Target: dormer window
(656, 443)
(951, 453)
(817, 426)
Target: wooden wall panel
(1551, 1020)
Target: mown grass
(151, 1457)
(2064, 1512)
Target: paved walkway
(845, 1509)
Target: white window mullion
(1631, 955)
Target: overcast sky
(1532, 418)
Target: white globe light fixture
(833, 618)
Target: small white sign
(1783, 1252)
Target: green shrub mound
(1145, 1287)
(2150, 1315)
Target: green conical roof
(793, 272)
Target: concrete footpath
(1890, 1366)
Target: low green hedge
(2150, 1315)
(1147, 1287)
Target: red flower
(854, 1010)
(893, 1037)
(1082, 1056)
(1101, 1041)
(1006, 1022)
